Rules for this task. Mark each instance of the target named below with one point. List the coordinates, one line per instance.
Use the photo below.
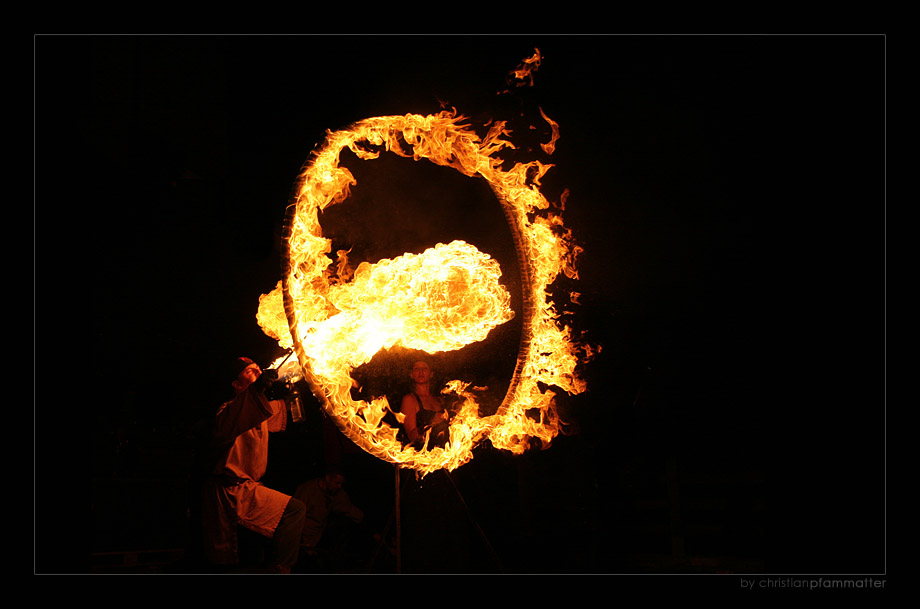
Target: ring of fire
(333, 329)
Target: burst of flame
(440, 300)
(445, 298)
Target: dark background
(728, 192)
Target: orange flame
(442, 299)
(550, 146)
(523, 75)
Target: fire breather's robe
(233, 494)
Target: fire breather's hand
(265, 380)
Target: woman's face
(421, 373)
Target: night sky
(728, 192)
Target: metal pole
(398, 525)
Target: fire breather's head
(243, 371)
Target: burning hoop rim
(525, 268)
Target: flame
(522, 76)
(271, 317)
(550, 146)
(442, 299)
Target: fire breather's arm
(243, 412)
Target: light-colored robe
(233, 494)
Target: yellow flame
(442, 299)
(271, 317)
